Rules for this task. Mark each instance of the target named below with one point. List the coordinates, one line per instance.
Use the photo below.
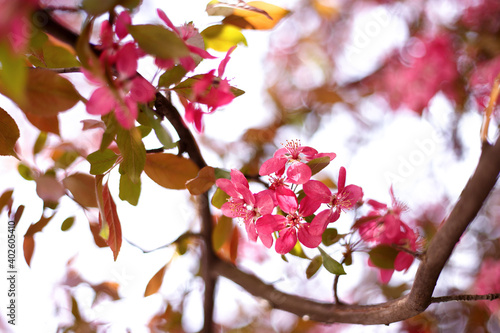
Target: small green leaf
(298, 251)
(220, 197)
(222, 173)
(130, 4)
(129, 191)
(25, 171)
(53, 56)
(133, 152)
(101, 161)
(318, 164)
(110, 132)
(314, 266)
(159, 41)
(222, 37)
(39, 143)
(222, 232)
(383, 256)
(68, 223)
(172, 76)
(331, 265)
(13, 73)
(330, 236)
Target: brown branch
(487, 297)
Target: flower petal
(298, 173)
(227, 186)
(341, 181)
(320, 222)
(403, 261)
(309, 240)
(317, 191)
(286, 241)
(101, 102)
(286, 199)
(268, 224)
(272, 165)
(142, 91)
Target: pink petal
(309, 152)
(101, 102)
(122, 22)
(331, 155)
(245, 192)
(167, 21)
(164, 63)
(385, 275)
(318, 191)
(201, 86)
(126, 61)
(238, 177)
(308, 206)
(309, 240)
(126, 114)
(223, 63)
(298, 173)
(320, 222)
(201, 52)
(188, 63)
(341, 181)
(251, 231)
(403, 261)
(286, 199)
(264, 202)
(272, 165)
(228, 209)
(286, 241)
(142, 91)
(352, 194)
(266, 239)
(227, 186)
(268, 224)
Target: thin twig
(65, 70)
(487, 297)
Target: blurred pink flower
(488, 282)
(430, 66)
(482, 15)
(481, 80)
(15, 25)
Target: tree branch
(487, 297)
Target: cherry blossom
(291, 159)
(245, 205)
(345, 199)
(15, 24)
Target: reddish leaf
(45, 124)
(49, 188)
(155, 283)
(108, 288)
(28, 248)
(203, 182)
(170, 171)
(108, 217)
(82, 186)
(9, 133)
(95, 229)
(38, 226)
(6, 199)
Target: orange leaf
(155, 282)
(49, 188)
(203, 182)
(95, 229)
(45, 124)
(9, 133)
(170, 171)
(28, 248)
(233, 248)
(109, 217)
(254, 19)
(82, 186)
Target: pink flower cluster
(15, 25)
(123, 90)
(481, 80)
(413, 77)
(482, 15)
(383, 226)
(287, 169)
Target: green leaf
(13, 74)
(25, 171)
(222, 37)
(9, 133)
(101, 161)
(383, 256)
(129, 191)
(314, 266)
(85, 53)
(222, 173)
(169, 170)
(159, 41)
(98, 7)
(161, 132)
(110, 132)
(133, 152)
(330, 236)
(298, 251)
(68, 223)
(222, 232)
(40, 142)
(331, 265)
(318, 164)
(172, 76)
(130, 4)
(219, 198)
(50, 55)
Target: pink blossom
(15, 25)
(245, 205)
(481, 80)
(125, 90)
(414, 76)
(345, 199)
(488, 282)
(187, 34)
(290, 227)
(291, 158)
(383, 225)
(482, 16)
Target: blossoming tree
(280, 202)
